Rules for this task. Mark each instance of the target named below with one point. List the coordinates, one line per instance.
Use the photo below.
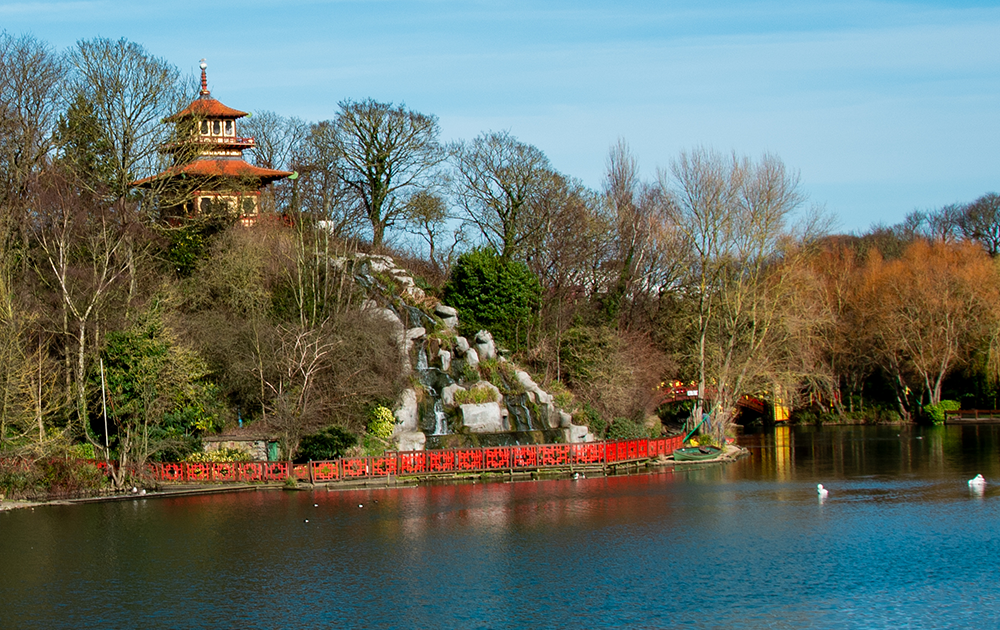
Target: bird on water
(977, 482)
(821, 491)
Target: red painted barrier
(469, 459)
(199, 472)
(325, 471)
(528, 457)
(170, 472)
(227, 471)
(553, 455)
(588, 453)
(383, 466)
(440, 461)
(354, 467)
(525, 456)
(413, 462)
(497, 458)
(301, 472)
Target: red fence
(498, 458)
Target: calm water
(900, 542)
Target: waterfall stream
(434, 381)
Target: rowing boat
(697, 453)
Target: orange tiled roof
(205, 107)
(224, 167)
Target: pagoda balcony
(234, 142)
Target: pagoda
(208, 175)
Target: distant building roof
(205, 107)
(221, 167)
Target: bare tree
(296, 405)
(500, 184)
(980, 222)
(944, 224)
(386, 151)
(426, 217)
(320, 189)
(131, 91)
(733, 213)
(647, 246)
(83, 255)
(277, 140)
(31, 75)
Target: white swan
(977, 482)
(821, 491)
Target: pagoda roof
(221, 167)
(206, 107)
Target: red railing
(497, 458)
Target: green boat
(697, 453)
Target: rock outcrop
(447, 364)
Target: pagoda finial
(204, 79)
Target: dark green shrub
(626, 429)
(495, 294)
(592, 419)
(330, 443)
(936, 412)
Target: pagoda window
(204, 127)
(248, 206)
(216, 127)
(229, 127)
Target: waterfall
(519, 416)
(440, 419)
(433, 381)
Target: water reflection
(900, 541)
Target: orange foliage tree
(929, 312)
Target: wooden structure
(208, 175)
(972, 416)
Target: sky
(881, 107)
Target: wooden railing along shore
(972, 416)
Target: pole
(104, 405)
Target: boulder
(443, 311)
(402, 277)
(444, 359)
(448, 315)
(410, 441)
(484, 418)
(406, 412)
(497, 396)
(484, 345)
(575, 434)
(472, 357)
(396, 328)
(378, 264)
(415, 333)
(415, 292)
(548, 413)
(448, 394)
(529, 385)
(565, 420)
(461, 346)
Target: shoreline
(170, 490)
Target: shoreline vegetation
(710, 295)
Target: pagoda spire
(204, 80)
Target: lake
(900, 542)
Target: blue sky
(883, 107)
